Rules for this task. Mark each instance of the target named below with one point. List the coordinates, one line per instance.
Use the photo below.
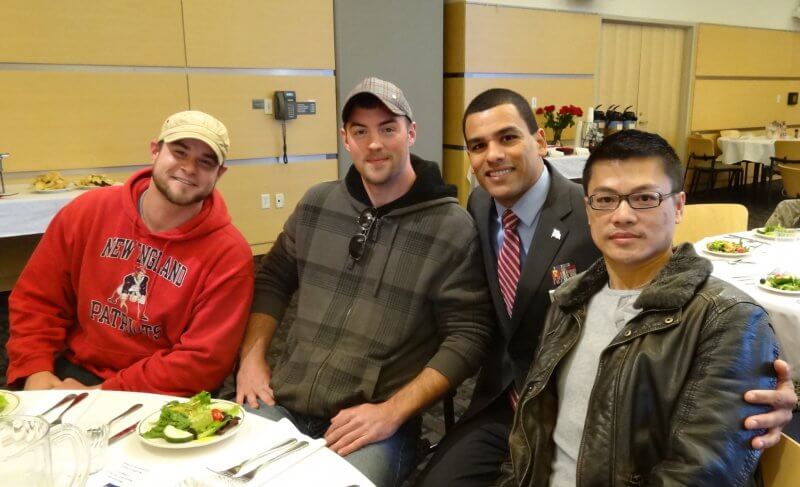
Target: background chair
(780, 465)
(791, 179)
(786, 152)
(703, 160)
(701, 221)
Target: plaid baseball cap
(388, 93)
(197, 125)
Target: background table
(29, 213)
(175, 467)
(784, 311)
(753, 149)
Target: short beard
(164, 190)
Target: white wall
(770, 14)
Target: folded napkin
(581, 151)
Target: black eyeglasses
(358, 243)
(637, 201)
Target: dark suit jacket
(511, 353)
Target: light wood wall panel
(260, 33)
(548, 91)
(520, 40)
(118, 32)
(56, 120)
(242, 187)
(455, 168)
(744, 51)
(254, 134)
(721, 104)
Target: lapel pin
(556, 234)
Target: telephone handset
(285, 105)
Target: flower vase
(556, 137)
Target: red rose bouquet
(558, 121)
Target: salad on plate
(786, 282)
(200, 419)
(776, 231)
(727, 247)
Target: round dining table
(132, 461)
(765, 256)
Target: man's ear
(222, 170)
(412, 133)
(540, 142)
(345, 141)
(155, 148)
(680, 204)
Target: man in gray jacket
(392, 307)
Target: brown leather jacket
(667, 404)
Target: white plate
(13, 402)
(724, 254)
(793, 234)
(779, 291)
(59, 190)
(92, 186)
(149, 421)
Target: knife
(122, 434)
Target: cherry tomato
(217, 415)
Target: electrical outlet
(265, 201)
(267, 106)
(534, 102)
(279, 200)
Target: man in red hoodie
(163, 242)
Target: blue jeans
(386, 463)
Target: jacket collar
(672, 287)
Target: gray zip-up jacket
(416, 298)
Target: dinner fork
(251, 474)
(230, 472)
(80, 397)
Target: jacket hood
(213, 216)
(428, 188)
(673, 286)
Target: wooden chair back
(707, 220)
(780, 465)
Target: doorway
(646, 66)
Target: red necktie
(508, 275)
(508, 260)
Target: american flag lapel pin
(556, 234)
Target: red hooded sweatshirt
(151, 312)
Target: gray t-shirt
(607, 313)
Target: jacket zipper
(327, 358)
(547, 376)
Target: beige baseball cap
(193, 124)
(388, 93)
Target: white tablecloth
(571, 167)
(754, 149)
(164, 467)
(29, 213)
(784, 311)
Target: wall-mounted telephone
(285, 105)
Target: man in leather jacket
(670, 348)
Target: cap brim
(198, 136)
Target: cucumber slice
(174, 435)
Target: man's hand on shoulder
(42, 380)
(253, 382)
(358, 426)
(782, 400)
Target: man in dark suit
(525, 202)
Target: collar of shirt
(527, 208)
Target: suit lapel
(482, 205)
(550, 234)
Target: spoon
(80, 397)
(66, 399)
(131, 409)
